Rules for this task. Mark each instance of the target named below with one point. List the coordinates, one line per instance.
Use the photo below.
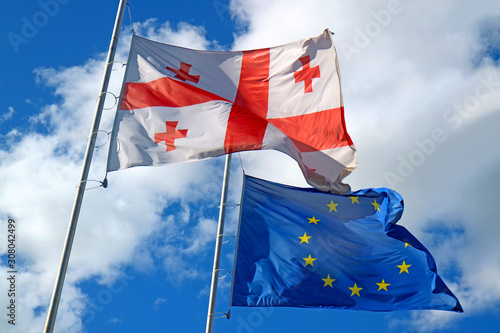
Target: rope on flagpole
(241, 164)
(130, 17)
(106, 173)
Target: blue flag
(301, 247)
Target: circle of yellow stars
(328, 281)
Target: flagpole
(56, 295)
(237, 242)
(218, 244)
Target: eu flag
(300, 247)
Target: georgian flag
(180, 105)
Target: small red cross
(183, 73)
(170, 135)
(306, 74)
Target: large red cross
(306, 74)
(183, 73)
(170, 135)
(248, 120)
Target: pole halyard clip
(222, 269)
(108, 92)
(230, 205)
(103, 183)
(107, 140)
(231, 238)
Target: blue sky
(421, 86)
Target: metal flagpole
(56, 295)
(237, 242)
(220, 231)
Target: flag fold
(179, 105)
(305, 248)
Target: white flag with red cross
(180, 105)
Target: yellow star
(328, 281)
(313, 220)
(376, 205)
(355, 290)
(304, 239)
(333, 206)
(404, 268)
(354, 199)
(309, 261)
(407, 244)
(383, 285)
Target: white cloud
(185, 35)
(7, 115)
(114, 321)
(159, 302)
